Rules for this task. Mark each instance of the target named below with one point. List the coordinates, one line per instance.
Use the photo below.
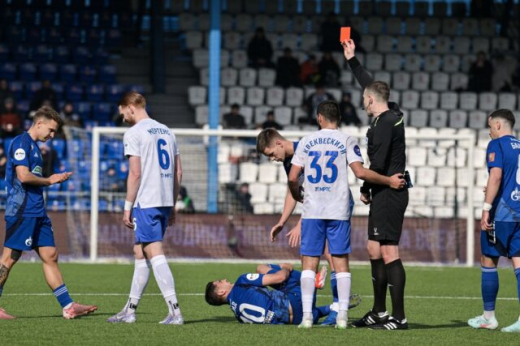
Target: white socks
(164, 278)
(344, 282)
(307, 281)
(139, 283)
(489, 314)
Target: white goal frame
(98, 131)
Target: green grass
(433, 320)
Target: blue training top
(24, 200)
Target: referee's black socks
(379, 280)
(396, 281)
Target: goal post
(197, 142)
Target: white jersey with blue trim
(325, 156)
(155, 144)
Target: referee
(386, 150)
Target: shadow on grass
(218, 319)
(453, 324)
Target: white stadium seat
(258, 192)
(228, 76)
(437, 157)
(461, 45)
(468, 101)
(416, 156)
(487, 101)
(383, 76)
(283, 115)
(293, 97)
(451, 63)
(438, 118)
(442, 44)
(459, 81)
(436, 196)
(423, 44)
(248, 172)
(426, 176)
(201, 115)
(236, 95)
(413, 62)
(247, 77)
(477, 120)
(418, 118)
(277, 191)
(450, 26)
(239, 58)
(255, 96)
(385, 43)
(275, 96)
(449, 100)
(432, 63)
(197, 95)
(227, 172)
(420, 81)
(401, 80)
(440, 81)
(232, 40)
(266, 77)
(404, 44)
(446, 176)
(429, 100)
(393, 62)
(457, 119)
(410, 99)
(432, 26)
(261, 113)
(507, 101)
(374, 62)
(193, 39)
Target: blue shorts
(27, 233)
(316, 232)
(150, 224)
(507, 240)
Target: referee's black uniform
(387, 153)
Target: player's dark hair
(47, 113)
(505, 114)
(132, 98)
(265, 138)
(330, 110)
(379, 89)
(211, 296)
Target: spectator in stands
(330, 34)
(3, 161)
(480, 74)
(244, 198)
(50, 159)
(111, 182)
(260, 50)
(503, 71)
(270, 122)
(10, 120)
(309, 71)
(46, 93)
(70, 117)
(184, 203)
(233, 119)
(312, 102)
(288, 70)
(348, 111)
(4, 90)
(329, 70)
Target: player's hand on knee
(294, 236)
(365, 198)
(127, 219)
(397, 182)
(275, 230)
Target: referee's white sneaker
(514, 328)
(480, 322)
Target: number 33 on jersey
(325, 156)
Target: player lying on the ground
(252, 301)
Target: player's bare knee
(488, 261)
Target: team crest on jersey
(515, 195)
(28, 241)
(252, 276)
(19, 154)
(357, 150)
(491, 157)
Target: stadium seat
(432, 63)
(68, 73)
(261, 113)
(382, 76)
(74, 93)
(446, 176)
(365, 8)
(418, 197)
(481, 177)
(458, 119)
(266, 77)
(447, 131)
(283, 115)
(440, 9)
(461, 45)
(243, 22)
(369, 43)
(479, 158)
(450, 26)
(451, 63)
(410, 99)
(483, 137)
(197, 95)
(427, 132)
(114, 92)
(107, 74)
(412, 25)
(457, 157)
(83, 109)
(374, 62)
(201, 115)
(275, 96)
(299, 24)
(394, 26)
(95, 92)
(459, 81)
(87, 74)
(420, 81)
(102, 111)
(438, 118)
(247, 77)
(48, 71)
(416, 156)
(289, 40)
(269, 173)
(385, 43)
(425, 176)
(229, 76)
(468, 101)
(488, 27)
(236, 95)
(248, 172)
(255, 96)
(432, 26)
(423, 44)
(309, 42)
(239, 58)
(293, 97)
(436, 196)
(8, 71)
(449, 100)
(393, 62)
(281, 23)
(401, 80)
(477, 120)
(405, 44)
(193, 40)
(418, 118)
(507, 101)
(487, 101)
(277, 191)
(413, 63)
(440, 81)
(16, 89)
(470, 27)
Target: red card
(344, 34)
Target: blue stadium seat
(59, 145)
(74, 93)
(54, 37)
(74, 148)
(87, 74)
(68, 73)
(8, 71)
(90, 124)
(108, 74)
(16, 88)
(122, 169)
(114, 92)
(56, 204)
(104, 165)
(48, 71)
(23, 107)
(100, 57)
(135, 87)
(4, 52)
(95, 92)
(54, 188)
(21, 54)
(59, 89)
(103, 205)
(113, 38)
(102, 111)
(31, 88)
(83, 109)
(73, 37)
(115, 150)
(42, 54)
(28, 72)
(62, 55)
(81, 55)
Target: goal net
(447, 171)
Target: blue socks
(490, 287)
(1, 290)
(334, 287)
(62, 295)
(517, 274)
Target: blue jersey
(287, 162)
(251, 302)
(504, 153)
(24, 200)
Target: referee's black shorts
(385, 221)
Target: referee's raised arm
(362, 76)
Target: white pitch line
(202, 294)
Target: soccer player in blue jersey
(272, 295)
(500, 221)
(27, 225)
(154, 180)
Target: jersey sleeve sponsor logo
(491, 157)
(357, 150)
(19, 154)
(252, 276)
(37, 171)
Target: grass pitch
(439, 302)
